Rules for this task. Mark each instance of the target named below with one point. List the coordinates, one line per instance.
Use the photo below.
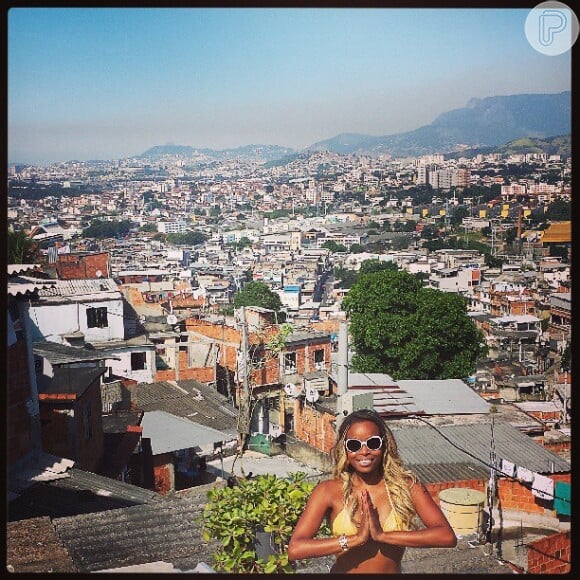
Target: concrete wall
(122, 367)
(50, 321)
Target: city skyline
(107, 83)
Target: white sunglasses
(373, 443)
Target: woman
(370, 504)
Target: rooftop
(72, 380)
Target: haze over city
(107, 83)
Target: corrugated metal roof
(57, 353)
(168, 531)
(558, 232)
(194, 401)
(35, 467)
(22, 285)
(14, 269)
(448, 396)
(370, 380)
(81, 492)
(33, 546)
(73, 380)
(170, 433)
(438, 472)
(470, 444)
(75, 288)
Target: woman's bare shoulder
(331, 487)
(328, 492)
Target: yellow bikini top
(342, 524)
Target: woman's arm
(436, 534)
(303, 544)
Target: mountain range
(482, 123)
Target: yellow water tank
(463, 509)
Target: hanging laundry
(524, 474)
(543, 487)
(507, 468)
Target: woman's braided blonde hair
(396, 477)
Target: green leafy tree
(374, 265)
(187, 238)
(334, 246)
(21, 248)
(559, 210)
(106, 229)
(408, 331)
(257, 294)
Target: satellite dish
(171, 319)
(98, 274)
(291, 390)
(142, 318)
(312, 395)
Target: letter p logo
(551, 22)
(551, 28)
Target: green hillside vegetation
(560, 145)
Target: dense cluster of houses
(126, 367)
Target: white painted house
(91, 312)
(92, 307)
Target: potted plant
(254, 520)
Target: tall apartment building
(172, 227)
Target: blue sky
(107, 83)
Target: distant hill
(560, 145)
(261, 153)
(482, 125)
(485, 122)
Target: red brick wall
(74, 266)
(202, 374)
(515, 496)
(557, 446)
(163, 473)
(19, 441)
(550, 555)
(270, 373)
(546, 415)
(313, 427)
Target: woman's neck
(367, 479)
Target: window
(138, 361)
(319, 359)
(97, 317)
(290, 362)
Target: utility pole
(244, 417)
